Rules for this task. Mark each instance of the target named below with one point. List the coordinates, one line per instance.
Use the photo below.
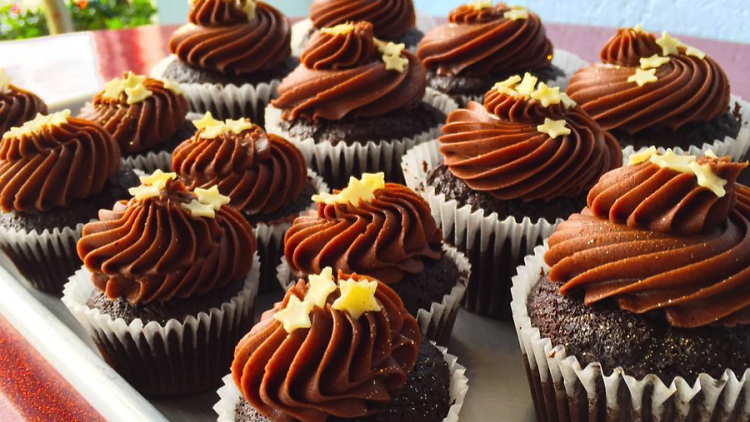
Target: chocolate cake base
(181, 72)
(51, 272)
(425, 398)
(173, 364)
(693, 133)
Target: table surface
(83, 61)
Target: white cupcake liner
(564, 380)
(736, 148)
(371, 156)
(468, 229)
(230, 396)
(436, 324)
(147, 341)
(224, 101)
(45, 259)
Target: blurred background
(718, 19)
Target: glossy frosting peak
(154, 249)
(482, 42)
(18, 106)
(386, 237)
(343, 50)
(339, 366)
(391, 19)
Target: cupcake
(230, 57)
(391, 20)
(636, 306)
(168, 285)
(56, 172)
(661, 92)
(482, 44)
(340, 349)
(263, 175)
(355, 104)
(17, 106)
(145, 116)
(501, 175)
(386, 231)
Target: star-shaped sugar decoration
(249, 9)
(684, 164)
(567, 101)
(527, 85)
(669, 44)
(4, 82)
(295, 315)
(132, 85)
(211, 128)
(553, 128)
(479, 5)
(508, 86)
(172, 86)
(357, 190)
(137, 94)
(638, 29)
(152, 185)
(516, 13)
(392, 55)
(392, 49)
(708, 179)
(643, 77)
(39, 123)
(642, 156)
(397, 63)
(547, 95)
(321, 286)
(198, 209)
(673, 161)
(206, 121)
(692, 51)
(710, 153)
(340, 29)
(211, 197)
(357, 297)
(653, 62)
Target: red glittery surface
(31, 389)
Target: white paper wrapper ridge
(58, 245)
(224, 101)
(230, 396)
(382, 155)
(437, 322)
(736, 148)
(709, 399)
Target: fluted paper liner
(436, 323)
(736, 148)
(45, 259)
(371, 156)
(224, 101)
(567, 384)
(152, 338)
(466, 228)
(230, 396)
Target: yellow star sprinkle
(137, 94)
(516, 12)
(692, 51)
(172, 86)
(206, 121)
(356, 191)
(553, 128)
(506, 86)
(710, 153)
(158, 178)
(132, 86)
(144, 192)
(479, 5)
(321, 286)
(392, 49)
(295, 315)
(546, 95)
(673, 161)
(642, 77)
(526, 87)
(341, 29)
(357, 297)
(40, 122)
(642, 156)
(249, 9)
(668, 44)
(4, 81)
(708, 179)
(638, 29)
(199, 210)
(395, 63)
(211, 197)
(567, 101)
(653, 62)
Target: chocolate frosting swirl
(508, 157)
(480, 43)
(51, 167)
(688, 89)
(17, 107)
(219, 39)
(391, 19)
(261, 173)
(154, 249)
(695, 278)
(366, 90)
(338, 367)
(386, 238)
(144, 125)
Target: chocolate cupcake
(502, 175)
(17, 106)
(168, 285)
(392, 20)
(661, 92)
(230, 57)
(264, 176)
(482, 44)
(145, 116)
(386, 231)
(636, 307)
(340, 349)
(356, 104)
(56, 172)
